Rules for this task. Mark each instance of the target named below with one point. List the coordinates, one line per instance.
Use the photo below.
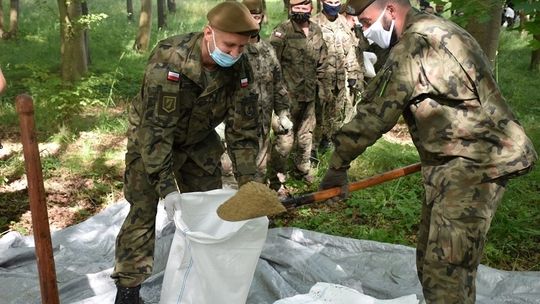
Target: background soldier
(269, 85)
(301, 50)
(343, 73)
(468, 140)
(191, 84)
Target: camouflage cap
(254, 6)
(355, 7)
(232, 17)
(296, 2)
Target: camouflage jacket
(303, 59)
(438, 78)
(268, 82)
(179, 106)
(342, 61)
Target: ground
(70, 197)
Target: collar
(298, 28)
(412, 15)
(192, 67)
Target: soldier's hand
(336, 178)
(281, 124)
(171, 203)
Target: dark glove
(351, 83)
(336, 178)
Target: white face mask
(377, 34)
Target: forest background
(82, 65)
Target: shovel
(254, 199)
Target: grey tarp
(292, 261)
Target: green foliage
(462, 10)
(91, 19)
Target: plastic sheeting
(292, 261)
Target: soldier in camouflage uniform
(191, 84)
(343, 73)
(273, 102)
(468, 140)
(301, 50)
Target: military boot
(128, 295)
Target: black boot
(128, 295)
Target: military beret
(296, 2)
(232, 17)
(355, 7)
(254, 6)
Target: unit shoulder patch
(168, 103)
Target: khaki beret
(254, 6)
(296, 2)
(356, 7)
(232, 17)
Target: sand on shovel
(251, 201)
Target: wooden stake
(38, 207)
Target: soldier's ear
(207, 31)
(391, 8)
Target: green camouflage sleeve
(354, 65)
(325, 84)
(160, 115)
(442, 83)
(383, 101)
(277, 40)
(241, 132)
(281, 96)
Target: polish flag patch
(244, 82)
(173, 76)
(278, 34)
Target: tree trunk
(162, 17)
(1, 20)
(145, 25)
(129, 9)
(84, 10)
(535, 56)
(171, 6)
(487, 32)
(13, 18)
(73, 54)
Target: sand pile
(251, 201)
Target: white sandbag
(211, 260)
(326, 293)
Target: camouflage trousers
(262, 157)
(330, 114)
(303, 117)
(134, 255)
(456, 216)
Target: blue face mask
(221, 58)
(331, 10)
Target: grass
(82, 128)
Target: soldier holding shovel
(469, 141)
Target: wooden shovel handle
(38, 208)
(361, 184)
